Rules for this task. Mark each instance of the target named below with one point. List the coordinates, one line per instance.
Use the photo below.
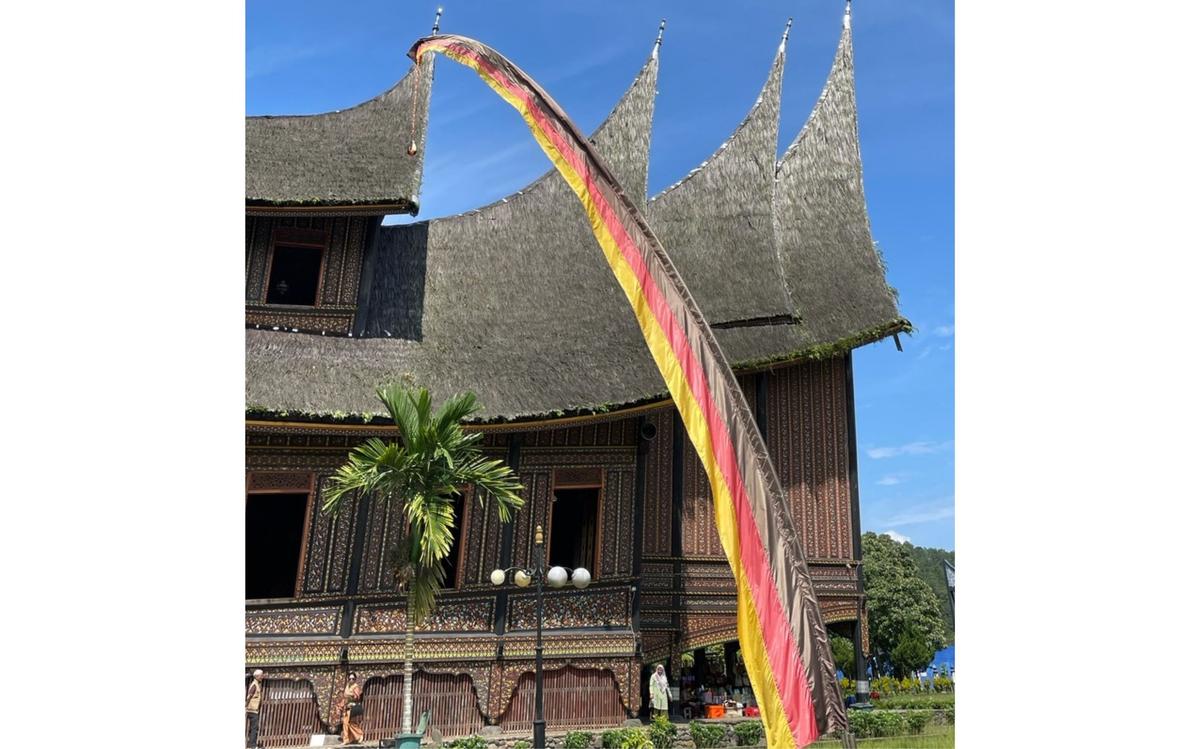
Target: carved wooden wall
(807, 436)
(344, 237)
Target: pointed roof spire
(786, 30)
(658, 42)
(823, 234)
(437, 20)
(721, 213)
(846, 18)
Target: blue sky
(304, 57)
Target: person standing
(253, 703)
(352, 719)
(660, 691)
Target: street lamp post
(556, 577)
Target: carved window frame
(561, 479)
(284, 482)
(291, 236)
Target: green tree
(843, 655)
(912, 652)
(929, 567)
(897, 597)
(423, 471)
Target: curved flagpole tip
(437, 20)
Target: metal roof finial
(846, 18)
(437, 20)
(786, 29)
(658, 42)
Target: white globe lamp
(521, 578)
(497, 577)
(556, 576)
(580, 578)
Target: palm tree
(424, 471)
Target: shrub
(949, 715)
(636, 739)
(577, 740)
(612, 738)
(748, 733)
(915, 701)
(706, 735)
(873, 723)
(662, 732)
(468, 742)
(917, 720)
(522, 744)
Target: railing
(572, 698)
(450, 698)
(289, 714)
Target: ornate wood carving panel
(342, 269)
(481, 552)
(656, 527)
(616, 536)
(570, 609)
(293, 621)
(326, 562)
(700, 537)
(808, 438)
(536, 511)
(453, 615)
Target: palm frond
(398, 401)
(425, 471)
(454, 411)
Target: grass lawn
(937, 737)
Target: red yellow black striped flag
(782, 636)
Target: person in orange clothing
(352, 719)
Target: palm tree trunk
(408, 665)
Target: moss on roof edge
(811, 353)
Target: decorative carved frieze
(570, 609)
(297, 481)
(455, 615)
(293, 621)
(276, 652)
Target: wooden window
(296, 266)
(454, 558)
(275, 535)
(574, 528)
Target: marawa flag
(783, 639)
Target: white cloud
(898, 538)
(889, 480)
(917, 515)
(912, 448)
(943, 331)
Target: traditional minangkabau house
(514, 302)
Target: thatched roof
(509, 301)
(356, 157)
(832, 268)
(716, 223)
(515, 302)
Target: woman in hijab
(660, 691)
